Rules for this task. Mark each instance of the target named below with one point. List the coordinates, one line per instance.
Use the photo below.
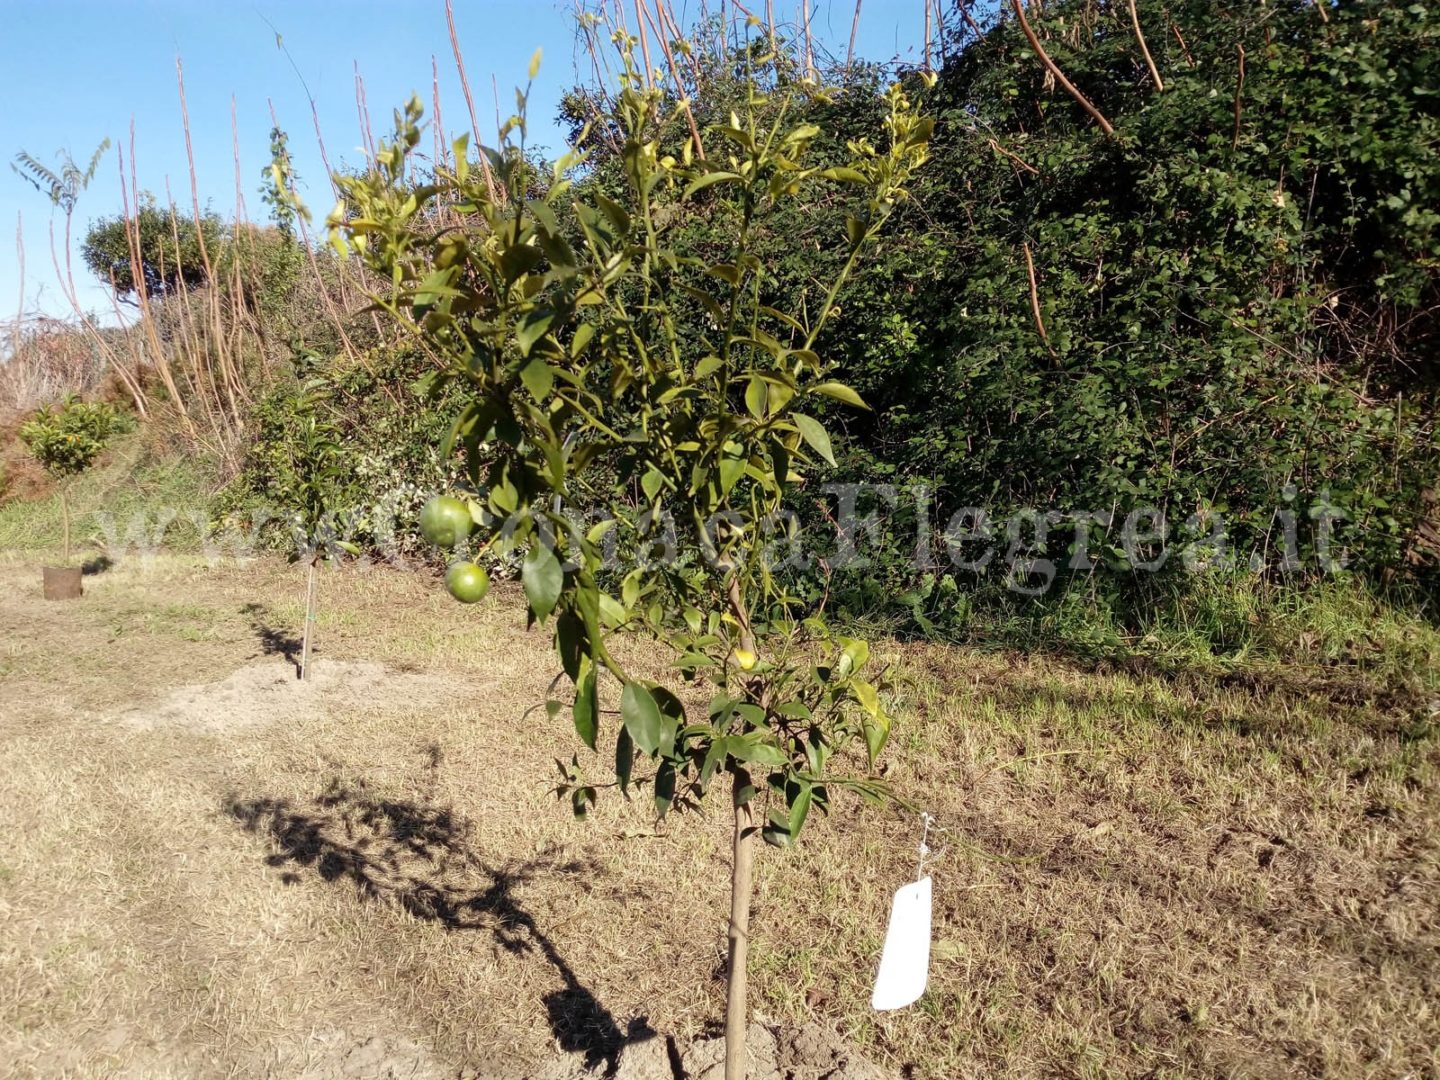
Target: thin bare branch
(1145, 49)
(1054, 70)
(1035, 300)
(1239, 89)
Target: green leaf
(664, 788)
(877, 732)
(586, 710)
(866, 695)
(814, 433)
(642, 717)
(543, 580)
(853, 654)
(707, 180)
(535, 64)
(755, 397)
(583, 333)
(732, 466)
(624, 759)
(532, 328)
(757, 748)
(672, 717)
(538, 378)
(840, 392)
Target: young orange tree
(66, 439)
(566, 316)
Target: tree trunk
(65, 524)
(736, 1058)
(309, 622)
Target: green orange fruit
(445, 521)
(467, 582)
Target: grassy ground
(132, 499)
(1177, 873)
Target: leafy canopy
(68, 437)
(601, 366)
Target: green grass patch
(133, 500)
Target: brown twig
(1054, 70)
(1035, 300)
(1145, 49)
(1014, 157)
(969, 21)
(1239, 87)
(1189, 57)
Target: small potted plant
(66, 439)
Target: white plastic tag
(905, 960)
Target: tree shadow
(419, 857)
(274, 641)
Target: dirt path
(209, 869)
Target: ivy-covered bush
(387, 431)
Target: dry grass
(1143, 876)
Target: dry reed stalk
(20, 265)
(1145, 49)
(66, 280)
(325, 298)
(196, 373)
(1183, 46)
(668, 15)
(362, 113)
(969, 21)
(809, 58)
(1054, 70)
(928, 66)
(674, 75)
(241, 314)
(855, 29)
(469, 102)
(644, 38)
(229, 379)
(148, 328)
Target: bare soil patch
(210, 870)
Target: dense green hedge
(1239, 316)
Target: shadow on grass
(97, 564)
(419, 857)
(274, 641)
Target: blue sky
(73, 73)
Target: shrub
(66, 439)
